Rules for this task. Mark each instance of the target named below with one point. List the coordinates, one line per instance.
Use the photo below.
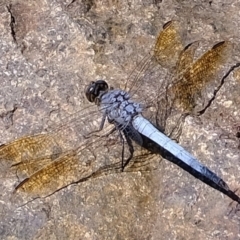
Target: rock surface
(49, 51)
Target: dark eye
(94, 89)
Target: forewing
(19, 154)
(148, 83)
(28, 154)
(169, 45)
(69, 152)
(147, 77)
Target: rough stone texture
(49, 51)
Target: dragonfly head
(94, 89)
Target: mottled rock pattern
(49, 51)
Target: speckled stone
(49, 51)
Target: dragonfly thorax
(117, 105)
(114, 103)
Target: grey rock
(49, 51)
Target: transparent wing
(66, 154)
(147, 77)
(60, 137)
(82, 164)
(171, 80)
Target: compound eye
(101, 85)
(89, 92)
(94, 89)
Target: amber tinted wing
(29, 154)
(186, 57)
(44, 164)
(19, 153)
(171, 81)
(169, 45)
(66, 135)
(147, 77)
(68, 167)
(90, 161)
(77, 166)
(198, 80)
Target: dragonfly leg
(109, 133)
(122, 139)
(98, 130)
(130, 148)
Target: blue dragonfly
(85, 145)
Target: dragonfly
(126, 129)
